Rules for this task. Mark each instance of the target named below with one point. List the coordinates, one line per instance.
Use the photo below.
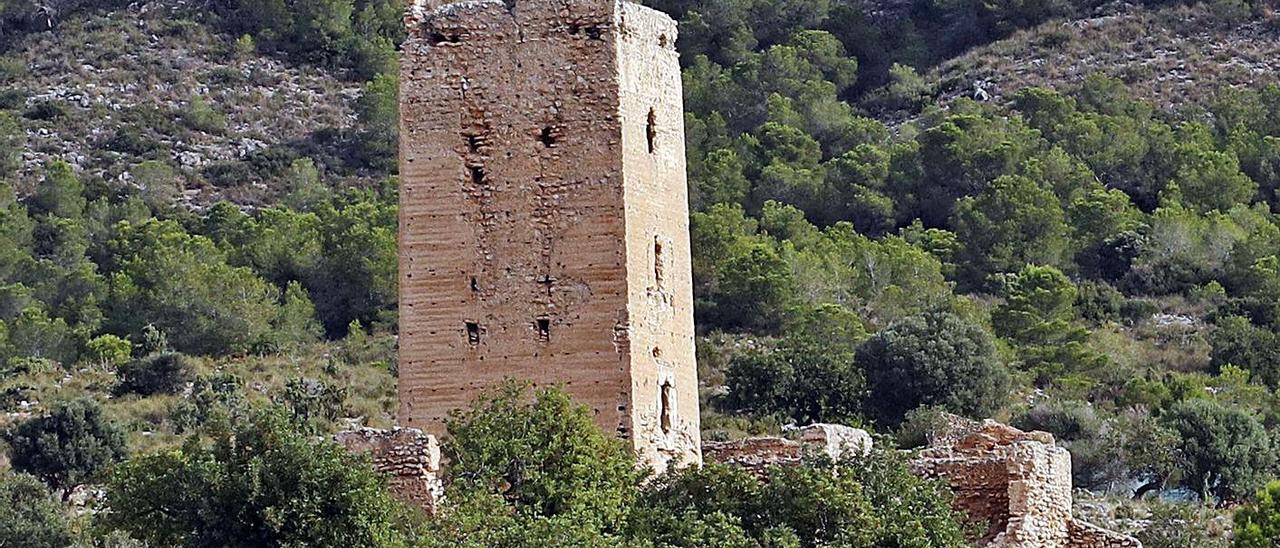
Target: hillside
(107, 91)
(1173, 56)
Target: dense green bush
(260, 483)
(540, 471)
(1227, 452)
(1258, 524)
(934, 359)
(29, 516)
(69, 447)
(162, 373)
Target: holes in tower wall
(477, 175)
(475, 285)
(548, 136)
(543, 327)
(437, 37)
(473, 333)
(651, 130)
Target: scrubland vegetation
(194, 294)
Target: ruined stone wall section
(664, 382)
(409, 458)
(1019, 483)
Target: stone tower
(543, 215)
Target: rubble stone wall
(543, 217)
(1016, 483)
(408, 457)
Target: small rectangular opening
(473, 333)
(547, 137)
(477, 175)
(543, 326)
(475, 285)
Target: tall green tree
(1011, 223)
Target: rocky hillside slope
(1173, 56)
(107, 92)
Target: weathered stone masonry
(544, 218)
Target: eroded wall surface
(530, 208)
(660, 295)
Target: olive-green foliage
(535, 472)
(29, 516)
(1037, 317)
(261, 483)
(182, 284)
(358, 35)
(545, 457)
(379, 113)
(1227, 452)
(67, 448)
(866, 501)
(933, 359)
(1011, 223)
(60, 193)
(802, 380)
(1178, 525)
(1238, 342)
(1257, 525)
(109, 350)
(11, 140)
(312, 402)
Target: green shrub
(68, 447)
(933, 359)
(164, 373)
(109, 350)
(261, 483)
(29, 517)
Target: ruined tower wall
(521, 176)
(511, 207)
(660, 289)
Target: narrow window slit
(659, 262)
(477, 175)
(666, 407)
(473, 143)
(473, 333)
(651, 129)
(475, 285)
